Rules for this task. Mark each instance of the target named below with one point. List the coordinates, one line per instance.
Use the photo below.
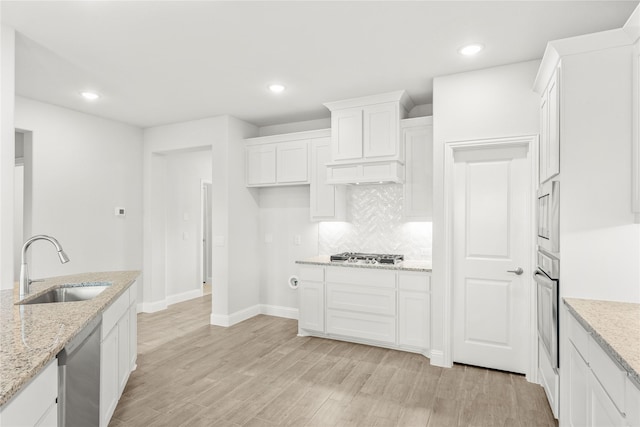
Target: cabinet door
(124, 359)
(261, 165)
(544, 138)
(418, 184)
(553, 160)
(109, 379)
(311, 313)
(414, 319)
(50, 418)
(380, 137)
(292, 162)
(133, 336)
(327, 201)
(632, 404)
(346, 134)
(603, 412)
(578, 392)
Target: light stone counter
(615, 326)
(32, 335)
(408, 265)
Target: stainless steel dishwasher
(79, 379)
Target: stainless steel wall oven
(547, 282)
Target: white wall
(491, 103)
(7, 147)
(159, 142)
(83, 167)
(284, 214)
(184, 170)
(600, 243)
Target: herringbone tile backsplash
(376, 225)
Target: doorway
(490, 230)
(205, 235)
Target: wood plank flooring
(259, 373)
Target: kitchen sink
(70, 292)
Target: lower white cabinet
(600, 391)
(118, 350)
(388, 308)
(36, 404)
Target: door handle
(518, 271)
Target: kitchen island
(32, 335)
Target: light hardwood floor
(259, 373)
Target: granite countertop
(32, 335)
(408, 265)
(615, 326)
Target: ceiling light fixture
(470, 49)
(276, 88)
(90, 96)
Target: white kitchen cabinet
(417, 136)
(311, 305)
(346, 134)
(328, 202)
(549, 156)
(388, 308)
(109, 379)
(36, 403)
(292, 162)
(632, 404)
(261, 165)
(600, 392)
(118, 351)
(602, 410)
(578, 388)
(635, 176)
(365, 139)
(279, 160)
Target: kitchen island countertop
(408, 265)
(615, 326)
(32, 335)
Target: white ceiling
(158, 62)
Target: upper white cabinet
(328, 202)
(417, 137)
(365, 139)
(277, 160)
(550, 129)
(635, 177)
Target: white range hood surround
(366, 172)
(366, 146)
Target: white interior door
(491, 223)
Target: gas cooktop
(358, 257)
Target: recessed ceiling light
(276, 88)
(470, 49)
(90, 96)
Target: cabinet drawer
(34, 401)
(416, 282)
(311, 274)
(114, 312)
(362, 276)
(361, 298)
(608, 373)
(579, 337)
(362, 325)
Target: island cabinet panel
(376, 306)
(35, 403)
(599, 390)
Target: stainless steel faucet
(24, 272)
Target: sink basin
(71, 292)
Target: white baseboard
(437, 358)
(184, 296)
(247, 313)
(152, 307)
(279, 311)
